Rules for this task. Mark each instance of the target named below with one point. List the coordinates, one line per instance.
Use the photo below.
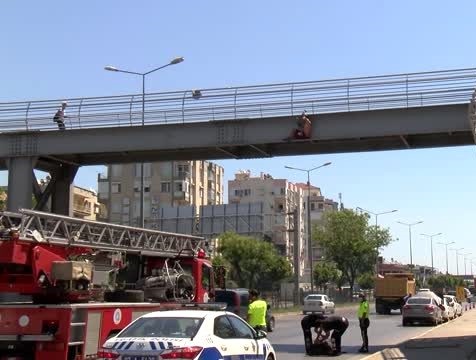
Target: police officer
(256, 311)
(364, 322)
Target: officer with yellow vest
(364, 322)
(256, 311)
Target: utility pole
(294, 229)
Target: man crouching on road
(323, 325)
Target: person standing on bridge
(59, 116)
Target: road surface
(385, 330)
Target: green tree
(447, 281)
(366, 281)
(349, 242)
(3, 201)
(251, 261)
(324, 273)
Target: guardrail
(288, 99)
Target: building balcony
(181, 195)
(182, 175)
(81, 210)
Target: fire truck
(68, 284)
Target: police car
(188, 334)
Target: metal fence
(287, 99)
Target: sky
(55, 50)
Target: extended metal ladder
(62, 230)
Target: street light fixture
(174, 61)
(309, 240)
(376, 225)
(431, 244)
(457, 259)
(446, 244)
(464, 257)
(410, 237)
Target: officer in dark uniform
(323, 325)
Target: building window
(283, 191)
(165, 187)
(116, 188)
(321, 206)
(313, 206)
(178, 186)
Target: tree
(324, 273)
(3, 200)
(349, 242)
(251, 261)
(366, 281)
(442, 282)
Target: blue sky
(51, 50)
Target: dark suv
(237, 302)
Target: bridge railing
(287, 99)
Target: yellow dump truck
(391, 290)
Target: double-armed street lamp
(457, 258)
(465, 257)
(309, 239)
(410, 225)
(431, 244)
(174, 61)
(376, 226)
(446, 245)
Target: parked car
(188, 334)
(422, 309)
(458, 309)
(237, 301)
(449, 311)
(318, 303)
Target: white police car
(188, 334)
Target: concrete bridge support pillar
(20, 178)
(62, 196)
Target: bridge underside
(61, 153)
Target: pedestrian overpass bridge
(404, 111)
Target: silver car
(318, 303)
(422, 309)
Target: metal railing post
(407, 89)
(26, 115)
(79, 113)
(236, 94)
(292, 100)
(183, 106)
(348, 94)
(130, 109)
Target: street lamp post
(464, 257)
(309, 239)
(376, 225)
(457, 259)
(410, 237)
(446, 245)
(174, 61)
(431, 244)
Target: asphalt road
(384, 330)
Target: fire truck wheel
(124, 296)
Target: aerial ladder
(56, 258)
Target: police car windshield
(172, 327)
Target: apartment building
(85, 203)
(279, 198)
(172, 183)
(319, 204)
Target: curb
(380, 352)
